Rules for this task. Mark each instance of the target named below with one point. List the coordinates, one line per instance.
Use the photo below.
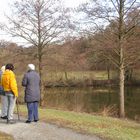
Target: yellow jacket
(9, 82)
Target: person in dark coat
(31, 82)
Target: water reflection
(92, 100)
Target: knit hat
(3, 68)
(31, 66)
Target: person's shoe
(4, 117)
(28, 121)
(11, 121)
(36, 120)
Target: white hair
(3, 68)
(31, 66)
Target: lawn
(104, 127)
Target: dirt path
(41, 131)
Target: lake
(93, 100)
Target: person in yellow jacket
(9, 85)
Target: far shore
(87, 83)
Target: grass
(76, 75)
(83, 75)
(104, 127)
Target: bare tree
(114, 13)
(39, 22)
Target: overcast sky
(4, 5)
(5, 9)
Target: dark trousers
(32, 111)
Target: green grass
(76, 75)
(105, 127)
(80, 75)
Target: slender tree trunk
(40, 58)
(41, 80)
(121, 80)
(108, 72)
(41, 85)
(121, 66)
(131, 74)
(121, 93)
(66, 76)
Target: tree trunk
(41, 82)
(121, 80)
(108, 72)
(131, 74)
(66, 76)
(121, 93)
(121, 66)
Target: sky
(5, 9)
(4, 6)
(69, 3)
(74, 3)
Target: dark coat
(31, 82)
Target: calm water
(92, 100)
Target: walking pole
(17, 104)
